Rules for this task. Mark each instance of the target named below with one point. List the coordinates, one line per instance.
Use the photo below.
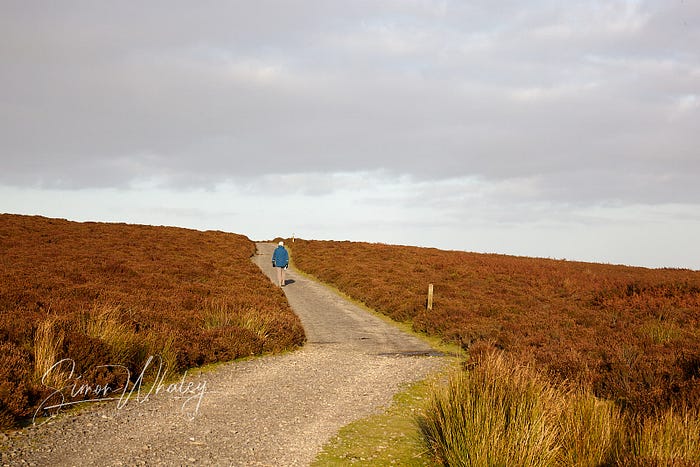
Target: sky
(567, 130)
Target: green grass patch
(389, 438)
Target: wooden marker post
(430, 296)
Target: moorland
(620, 344)
(632, 333)
(603, 359)
(110, 296)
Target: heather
(632, 334)
(116, 294)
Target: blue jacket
(280, 258)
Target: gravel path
(277, 410)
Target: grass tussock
(163, 347)
(672, 438)
(109, 297)
(48, 342)
(106, 323)
(221, 315)
(590, 429)
(500, 412)
(218, 314)
(496, 414)
(252, 320)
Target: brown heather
(630, 335)
(108, 294)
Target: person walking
(280, 260)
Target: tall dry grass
(219, 315)
(500, 412)
(162, 347)
(672, 438)
(105, 322)
(48, 343)
(590, 430)
(495, 414)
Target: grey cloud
(594, 100)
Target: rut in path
(276, 410)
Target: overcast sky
(540, 128)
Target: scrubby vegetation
(624, 334)
(502, 412)
(108, 294)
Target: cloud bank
(519, 112)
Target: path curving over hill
(276, 410)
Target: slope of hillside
(632, 334)
(276, 410)
(116, 294)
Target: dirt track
(276, 410)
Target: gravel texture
(275, 410)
